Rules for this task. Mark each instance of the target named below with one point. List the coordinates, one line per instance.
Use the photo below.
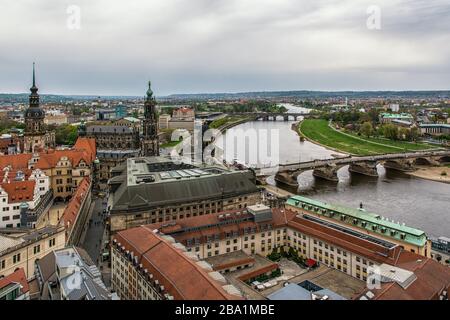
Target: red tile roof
(50, 158)
(87, 144)
(84, 149)
(16, 161)
(72, 210)
(432, 279)
(19, 191)
(181, 277)
(16, 277)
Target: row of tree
(389, 131)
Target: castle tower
(150, 143)
(36, 138)
(34, 116)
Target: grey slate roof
(146, 195)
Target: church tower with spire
(36, 138)
(150, 143)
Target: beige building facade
(22, 251)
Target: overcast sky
(192, 46)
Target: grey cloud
(224, 45)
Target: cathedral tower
(150, 143)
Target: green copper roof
(396, 115)
(357, 217)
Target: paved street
(92, 241)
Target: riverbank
(432, 173)
(319, 131)
(301, 134)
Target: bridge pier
(400, 165)
(367, 168)
(327, 173)
(287, 178)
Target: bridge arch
(444, 159)
(423, 161)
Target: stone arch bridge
(366, 165)
(274, 116)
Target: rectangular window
(16, 258)
(37, 249)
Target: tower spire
(33, 88)
(34, 77)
